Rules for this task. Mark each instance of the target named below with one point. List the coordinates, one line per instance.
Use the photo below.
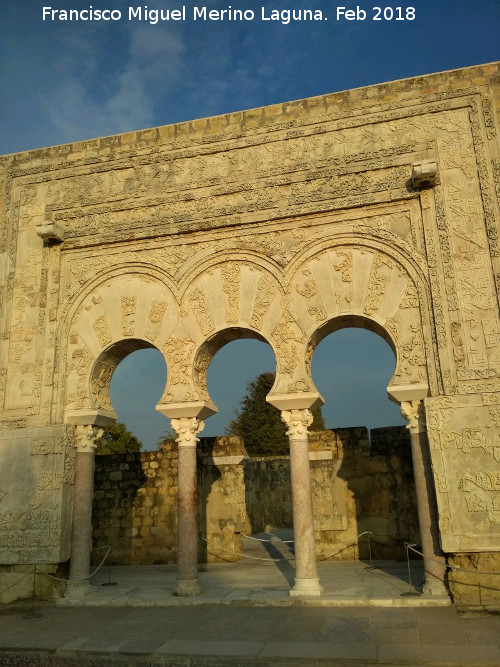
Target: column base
(187, 588)
(434, 587)
(77, 589)
(303, 587)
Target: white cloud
(106, 88)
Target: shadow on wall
(356, 488)
(135, 497)
(375, 476)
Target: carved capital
(297, 422)
(86, 436)
(187, 428)
(413, 412)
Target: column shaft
(434, 560)
(83, 495)
(306, 576)
(187, 507)
(81, 535)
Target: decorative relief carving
(297, 423)
(265, 294)
(230, 277)
(13, 423)
(155, 318)
(379, 279)
(201, 365)
(198, 303)
(344, 265)
(489, 118)
(179, 354)
(86, 437)
(100, 385)
(187, 428)
(128, 315)
(101, 328)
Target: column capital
(86, 436)
(187, 428)
(297, 422)
(413, 412)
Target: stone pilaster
(187, 506)
(434, 560)
(86, 436)
(306, 577)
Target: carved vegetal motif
(265, 295)
(379, 279)
(230, 278)
(100, 384)
(155, 318)
(489, 118)
(308, 287)
(201, 365)
(128, 304)
(187, 428)
(44, 446)
(344, 264)
(286, 334)
(458, 343)
(179, 354)
(318, 312)
(13, 423)
(198, 303)
(81, 362)
(410, 297)
(101, 328)
(297, 423)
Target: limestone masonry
(376, 207)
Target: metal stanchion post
(371, 566)
(109, 582)
(411, 590)
(33, 613)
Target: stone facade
(376, 207)
(356, 488)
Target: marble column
(434, 560)
(83, 493)
(187, 506)
(306, 577)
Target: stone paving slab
(247, 636)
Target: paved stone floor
(246, 617)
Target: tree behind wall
(117, 439)
(259, 423)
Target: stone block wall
(356, 488)
(134, 508)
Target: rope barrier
(449, 567)
(79, 581)
(28, 574)
(277, 560)
(271, 560)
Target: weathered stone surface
(283, 224)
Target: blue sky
(67, 81)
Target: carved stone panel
(464, 438)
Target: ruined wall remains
(355, 489)
(376, 207)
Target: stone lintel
(90, 417)
(197, 409)
(405, 393)
(301, 400)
